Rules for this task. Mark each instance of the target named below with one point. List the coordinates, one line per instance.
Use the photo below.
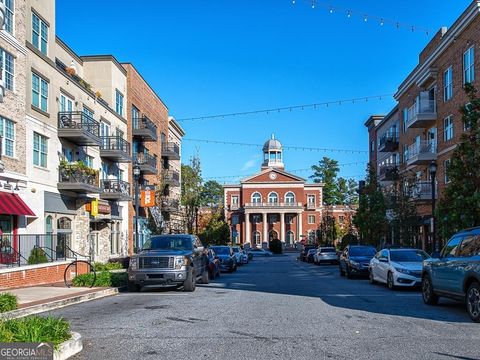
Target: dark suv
(456, 274)
(169, 260)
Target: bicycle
(76, 266)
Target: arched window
(290, 238)
(272, 235)
(256, 237)
(64, 223)
(290, 197)
(49, 224)
(273, 197)
(256, 198)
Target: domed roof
(272, 144)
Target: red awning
(12, 204)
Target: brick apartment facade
(428, 112)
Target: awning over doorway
(12, 204)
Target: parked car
(310, 255)
(244, 257)
(355, 260)
(213, 264)
(260, 252)
(397, 267)
(238, 254)
(325, 254)
(304, 251)
(228, 260)
(456, 273)
(169, 260)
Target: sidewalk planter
(69, 347)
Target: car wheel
(190, 283)
(132, 287)
(341, 270)
(371, 279)
(429, 297)
(390, 281)
(205, 277)
(349, 273)
(473, 301)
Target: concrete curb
(35, 309)
(69, 347)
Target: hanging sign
(94, 207)
(147, 198)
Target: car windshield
(408, 256)
(327, 250)
(362, 251)
(168, 243)
(222, 250)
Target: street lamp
(432, 169)
(136, 177)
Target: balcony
(422, 153)
(234, 207)
(115, 148)
(422, 191)
(171, 177)
(388, 142)
(274, 205)
(388, 173)
(170, 205)
(422, 113)
(145, 129)
(79, 128)
(147, 163)
(311, 206)
(79, 179)
(171, 151)
(114, 189)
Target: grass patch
(104, 279)
(8, 302)
(35, 329)
(107, 267)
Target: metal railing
(170, 204)
(273, 204)
(388, 137)
(423, 147)
(115, 186)
(171, 147)
(171, 175)
(33, 249)
(421, 107)
(75, 175)
(77, 79)
(146, 159)
(115, 143)
(423, 190)
(144, 123)
(78, 120)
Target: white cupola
(272, 154)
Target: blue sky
(205, 57)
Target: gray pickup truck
(169, 260)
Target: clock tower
(273, 154)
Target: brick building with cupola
(273, 204)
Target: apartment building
(429, 122)
(77, 154)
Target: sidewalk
(36, 299)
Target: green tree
(352, 194)
(459, 206)
(217, 231)
(191, 191)
(370, 218)
(212, 194)
(326, 172)
(341, 191)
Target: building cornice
(447, 39)
(111, 58)
(176, 126)
(12, 41)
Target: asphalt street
(274, 308)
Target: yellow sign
(94, 208)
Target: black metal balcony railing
(145, 159)
(171, 176)
(75, 175)
(144, 123)
(78, 120)
(171, 150)
(170, 204)
(388, 172)
(115, 186)
(115, 143)
(388, 142)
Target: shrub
(348, 239)
(104, 279)
(35, 329)
(107, 267)
(37, 256)
(8, 302)
(276, 246)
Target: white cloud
(250, 163)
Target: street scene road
(274, 308)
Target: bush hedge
(37, 256)
(104, 279)
(276, 246)
(35, 329)
(8, 302)
(108, 266)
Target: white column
(265, 227)
(282, 227)
(248, 233)
(300, 230)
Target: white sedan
(397, 267)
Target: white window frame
(256, 237)
(448, 129)
(404, 120)
(7, 76)
(39, 93)
(290, 197)
(445, 166)
(287, 240)
(448, 84)
(469, 65)
(41, 34)
(10, 17)
(234, 200)
(270, 197)
(4, 139)
(40, 150)
(255, 198)
(119, 100)
(66, 103)
(310, 217)
(309, 199)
